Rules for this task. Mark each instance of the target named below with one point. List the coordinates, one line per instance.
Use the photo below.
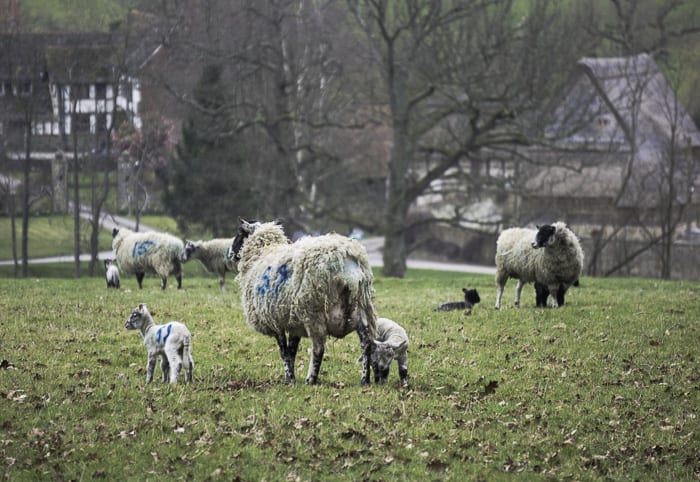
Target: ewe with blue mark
(141, 253)
(321, 286)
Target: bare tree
(458, 79)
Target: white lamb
(317, 287)
(391, 344)
(173, 342)
(212, 254)
(141, 253)
(550, 255)
(112, 274)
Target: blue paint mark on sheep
(142, 247)
(282, 276)
(264, 285)
(161, 338)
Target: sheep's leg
(175, 366)
(403, 369)
(500, 284)
(150, 367)
(554, 291)
(518, 291)
(178, 272)
(288, 354)
(222, 280)
(163, 282)
(189, 367)
(187, 362)
(139, 279)
(560, 294)
(317, 349)
(366, 348)
(165, 368)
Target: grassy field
(607, 387)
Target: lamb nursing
(316, 287)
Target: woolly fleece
(212, 254)
(558, 264)
(316, 287)
(152, 252)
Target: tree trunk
(395, 220)
(12, 202)
(76, 211)
(25, 198)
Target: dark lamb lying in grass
(471, 298)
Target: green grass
(48, 236)
(606, 387)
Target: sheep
(112, 274)
(317, 287)
(471, 298)
(141, 253)
(212, 254)
(550, 255)
(391, 344)
(172, 341)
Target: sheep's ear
(142, 307)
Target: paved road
(374, 250)
(109, 222)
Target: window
(81, 122)
(100, 122)
(24, 88)
(81, 91)
(125, 91)
(101, 90)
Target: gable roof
(624, 109)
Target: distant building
(64, 84)
(622, 144)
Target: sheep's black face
(471, 297)
(544, 236)
(245, 229)
(189, 249)
(115, 231)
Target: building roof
(624, 109)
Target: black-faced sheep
(317, 287)
(112, 274)
(172, 341)
(550, 255)
(141, 253)
(391, 344)
(212, 254)
(471, 297)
